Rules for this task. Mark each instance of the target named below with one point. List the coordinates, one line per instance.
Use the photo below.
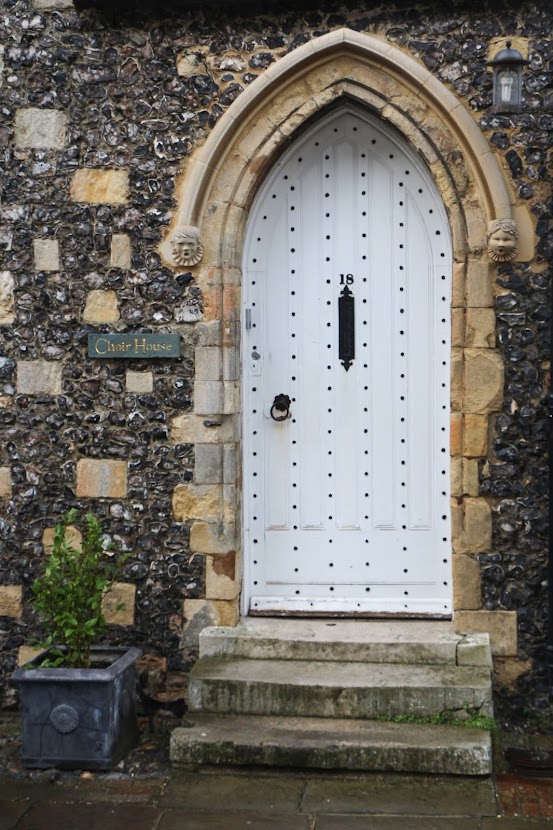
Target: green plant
(69, 593)
(473, 719)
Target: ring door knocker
(281, 404)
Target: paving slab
(345, 822)
(234, 793)
(118, 791)
(516, 823)
(30, 790)
(177, 820)
(401, 795)
(10, 812)
(523, 796)
(49, 816)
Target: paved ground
(145, 793)
(254, 800)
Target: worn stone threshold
(374, 641)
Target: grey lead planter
(79, 718)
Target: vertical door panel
(308, 404)
(420, 390)
(343, 483)
(385, 236)
(276, 473)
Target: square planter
(79, 718)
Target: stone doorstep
(326, 743)
(301, 693)
(335, 689)
(367, 641)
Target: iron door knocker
(281, 403)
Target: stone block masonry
(139, 381)
(7, 311)
(52, 4)
(120, 251)
(475, 435)
(10, 601)
(100, 186)
(202, 613)
(101, 479)
(41, 129)
(100, 125)
(197, 502)
(101, 307)
(73, 536)
(47, 254)
(35, 377)
(484, 373)
(466, 583)
(222, 577)
(501, 626)
(122, 594)
(5, 483)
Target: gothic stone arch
(216, 189)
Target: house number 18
(346, 279)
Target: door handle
(281, 404)
(346, 328)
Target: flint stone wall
(98, 115)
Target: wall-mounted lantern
(507, 79)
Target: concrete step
(363, 641)
(335, 689)
(332, 744)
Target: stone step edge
(325, 743)
(470, 650)
(334, 690)
(329, 674)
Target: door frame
(216, 190)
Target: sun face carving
(186, 245)
(502, 238)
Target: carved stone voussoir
(186, 245)
(502, 239)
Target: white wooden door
(346, 502)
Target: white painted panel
(421, 387)
(276, 326)
(344, 503)
(345, 232)
(305, 289)
(385, 259)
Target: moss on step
(471, 718)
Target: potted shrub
(77, 701)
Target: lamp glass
(507, 88)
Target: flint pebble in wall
(190, 311)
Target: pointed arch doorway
(346, 292)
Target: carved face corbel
(502, 240)
(186, 245)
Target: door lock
(281, 404)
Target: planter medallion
(64, 718)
